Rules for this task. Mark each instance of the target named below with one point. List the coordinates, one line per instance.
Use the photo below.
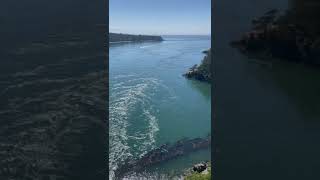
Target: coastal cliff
(115, 37)
(201, 72)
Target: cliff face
(202, 72)
(114, 37)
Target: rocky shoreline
(164, 153)
(118, 37)
(279, 35)
(201, 72)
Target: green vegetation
(205, 67)
(202, 72)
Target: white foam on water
(130, 94)
(151, 176)
(143, 47)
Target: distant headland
(118, 37)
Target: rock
(190, 73)
(164, 153)
(205, 51)
(193, 68)
(200, 167)
(201, 72)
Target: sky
(160, 17)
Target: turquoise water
(151, 103)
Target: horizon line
(162, 34)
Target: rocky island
(201, 72)
(118, 37)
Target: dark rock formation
(200, 167)
(164, 153)
(114, 37)
(201, 72)
(282, 36)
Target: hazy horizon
(165, 17)
(162, 34)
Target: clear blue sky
(160, 17)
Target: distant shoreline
(115, 42)
(115, 37)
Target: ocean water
(151, 103)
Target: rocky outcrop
(199, 171)
(281, 36)
(201, 72)
(114, 37)
(164, 153)
(200, 167)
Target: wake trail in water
(133, 124)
